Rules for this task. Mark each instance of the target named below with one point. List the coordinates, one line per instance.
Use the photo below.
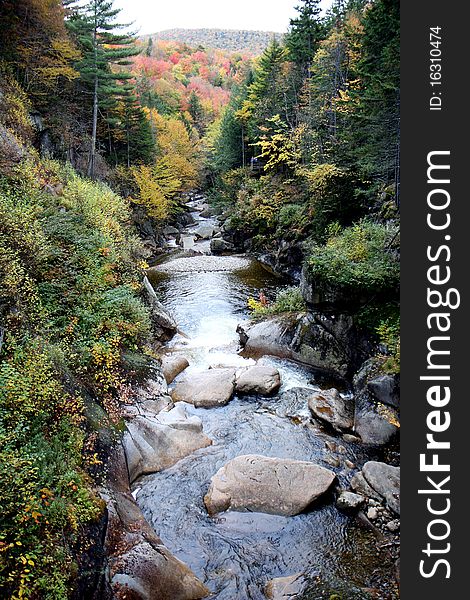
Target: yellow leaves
(177, 151)
(155, 193)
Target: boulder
(376, 394)
(261, 380)
(348, 501)
(164, 324)
(385, 389)
(329, 406)
(185, 219)
(385, 480)
(285, 588)
(374, 425)
(140, 567)
(156, 443)
(271, 485)
(208, 389)
(361, 487)
(171, 231)
(204, 232)
(272, 336)
(173, 365)
(219, 246)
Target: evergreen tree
(196, 111)
(106, 48)
(305, 33)
(376, 133)
(149, 49)
(133, 141)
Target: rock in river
(204, 232)
(385, 480)
(348, 501)
(173, 365)
(271, 485)
(219, 246)
(209, 389)
(285, 588)
(258, 380)
(156, 443)
(331, 407)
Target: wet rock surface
(329, 406)
(173, 365)
(261, 380)
(262, 484)
(286, 588)
(208, 389)
(154, 443)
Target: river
(237, 553)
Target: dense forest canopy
(251, 42)
(99, 130)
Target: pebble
(393, 525)
(372, 514)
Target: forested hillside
(252, 42)
(103, 138)
(306, 156)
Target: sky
(151, 16)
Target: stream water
(237, 553)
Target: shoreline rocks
(155, 443)
(330, 407)
(138, 565)
(270, 485)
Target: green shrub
(69, 302)
(333, 197)
(289, 300)
(362, 258)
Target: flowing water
(237, 553)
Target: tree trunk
(91, 163)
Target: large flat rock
(153, 444)
(260, 380)
(208, 389)
(270, 485)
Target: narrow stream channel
(237, 553)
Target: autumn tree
(35, 42)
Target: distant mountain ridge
(233, 40)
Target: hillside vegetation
(231, 40)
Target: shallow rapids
(236, 554)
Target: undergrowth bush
(361, 258)
(289, 300)
(69, 308)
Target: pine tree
(106, 49)
(376, 135)
(196, 111)
(306, 31)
